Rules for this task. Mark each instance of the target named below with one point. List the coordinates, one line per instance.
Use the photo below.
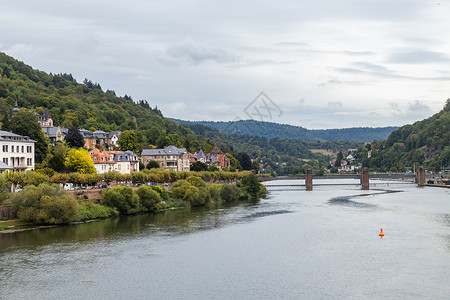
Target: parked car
(102, 186)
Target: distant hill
(274, 130)
(424, 142)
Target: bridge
(420, 179)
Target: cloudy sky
(322, 63)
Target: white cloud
(357, 63)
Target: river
(295, 244)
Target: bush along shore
(49, 204)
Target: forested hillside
(284, 156)
(274, 130)
(87, 106)
(424, 142)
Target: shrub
(229, 193)
(122, 198)
(91, 210)
(196, 181)
(148, 197)
(252, 186)
(214, 191)
(35, 178)
(4, 188)
(45, 204)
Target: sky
(315, 64)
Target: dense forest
(274, 130)
(87, 106)
(424, 142)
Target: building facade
(123, 162)
(90, 141)
(55, 134)
(17, 151)
(169, 158)
(113, 137)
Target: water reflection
(168, 223)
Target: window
(119, 167)
(5, 148)
(5, 160)
(12, 148)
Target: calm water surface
(295, 244)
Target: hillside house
(113, 137)
(16, 151)
(169, 158)
(102, 138)
(55, 134)
(123, 162)
(90, 140)
(210, 159)
(45, 120)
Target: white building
(17, 151)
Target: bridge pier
(308, 179)
(420, 176)
(365, 178)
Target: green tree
(79, 160)
(152, 164)
(339, 158)
(57, 156)
(74, 138)
(245, 161)
(199, 166)
(234, 163)
(213, 169)
(148, 197)
(26, 123)
(122, 198)
(255, 166)
(4, 188)
(128, 140)
(252, 186)
(229, 192)
(45, 204)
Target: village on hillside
(18, 152)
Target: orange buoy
(381, 232)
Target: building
(123, 162)
(210, 159)
(55, 134)
(16, 151)
(102, 138)
(134, 161)
(45, 120)
(113, 137)
(103, 161)
(169, 158)
(90, 140)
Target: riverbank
(50, 205)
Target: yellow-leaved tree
(79, 160)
